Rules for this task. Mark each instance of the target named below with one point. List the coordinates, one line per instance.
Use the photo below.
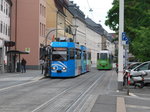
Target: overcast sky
(100, 9)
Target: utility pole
(120, 46)
(2, 59)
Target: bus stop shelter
(14, 58)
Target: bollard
(129, 82)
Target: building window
(44, 31)
(0, 26)
(42, 10)
(6, 30)
(40, 29)
(1, 5)
(6, 9)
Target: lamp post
(2, 59)
(74, 30)
(120, 46)
(46, 38)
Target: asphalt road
(29, 94)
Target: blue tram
(69, 59)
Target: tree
(137, 20)
(141, 44)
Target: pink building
(28, 21)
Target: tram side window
(89, 57)
(110, 58)
(98, 56)
(78, 53)
(84, 54)
(72, 53)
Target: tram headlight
(53, 68)
(64, 68)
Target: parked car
(145, 66)
(132, 65)
(128, 69)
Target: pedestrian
(42, 63)
(46, 67)
(23, 65)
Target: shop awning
(16, 52)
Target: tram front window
(59, 55)
(103, 56)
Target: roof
(77, 13)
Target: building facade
(93, 39)
(59, 20)
(28, 28)
(5, 9)
(36, 23)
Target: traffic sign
(125, 39)
(123, 36)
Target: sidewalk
(29, 73)
(137, 101)
(105, 103)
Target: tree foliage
(137, 25)
(141, 44)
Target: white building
(89, 33)
(93, 42)
(5, 6)
(86, 34)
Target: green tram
(104, 60)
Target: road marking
(16, 79)
(35, 80)
(131, 94)
(120, 104)
(20, 78)
(138, 106)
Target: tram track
(21, 93)
(83, 96)
(53, 95)
(65, 91)
(83, 105)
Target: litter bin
(18, 67)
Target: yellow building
(58, 19)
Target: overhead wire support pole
(120, 46)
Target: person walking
(23, 65)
